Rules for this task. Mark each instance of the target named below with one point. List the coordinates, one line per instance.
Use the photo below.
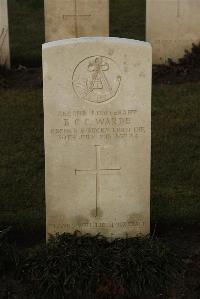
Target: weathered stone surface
(4, 35)
(76, 18)
(172, 26)
(97, 106)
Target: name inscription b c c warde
(88, 125)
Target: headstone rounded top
(79, 40)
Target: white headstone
(97, 107)
(76, 18)
(4, 35)
(172, 27)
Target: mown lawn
(175, 153)
(175, 195)
(22, 159)
(26, 21)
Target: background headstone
(172, 26)
(97, 105)
(76, 18)
(4, 35)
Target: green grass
(26, 20)
(22, 158)
(175, 153)
(127, 18)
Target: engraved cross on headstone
(75, 16)
(98, 171)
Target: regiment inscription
(96, 79)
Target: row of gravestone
(171, 25)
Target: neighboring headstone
(172, 27)
(97, 107)
(76, 18)
(4, 35)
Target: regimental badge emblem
(96, 79)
